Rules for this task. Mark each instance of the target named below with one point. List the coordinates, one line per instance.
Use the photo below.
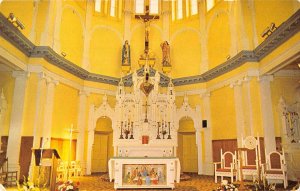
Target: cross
(146, 106)
(146, 19)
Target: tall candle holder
(163, 131)
(127, 129)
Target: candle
(169, 128)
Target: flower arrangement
(67, 186)
(227, 187)
(27, 186)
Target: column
(81, 128)
(127, 20)
(16, 121)
(199, 141)
(238, 103)
(208, 160)
(38, 117)
(267, 113)
(87, 36)
(91, 134)
(48, 111)
(166, 19)
(32, 34)
(249, 128)
(47, 34)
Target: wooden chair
(251, 157)
(227, 166)
(275, 167)
(8, 178)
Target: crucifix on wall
(147, 19)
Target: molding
(287, 73)
(285, 31)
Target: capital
(20, 74)
(265, 78)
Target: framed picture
(144, 174)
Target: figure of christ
(146, 18)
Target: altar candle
(131, 127)
(169, 128)
(157, 127)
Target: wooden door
(189, 153)
(100, 153)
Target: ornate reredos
(141, 114)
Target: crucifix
(146, 106)
(146, 19)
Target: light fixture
(269, 30)
(299, 65)
(63, 54)
(15, 21)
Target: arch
(186, 111)
(215, 15)
(178, 32)
(108, 28)
(77, 13)
(94, 114)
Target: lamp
(63, 54)
(269, 30)
(14, 20)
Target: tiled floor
(195, 183)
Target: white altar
(144, 172)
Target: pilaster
(16, 121)
(81, 128)
(127, 20)
(203, 38)
(87, 36)
(267, 113)
(57, 24)
(232, 27)
(238, 104)
(47, 34)
(48, 111)
(208, 160)
(166, 20)
(32, 34)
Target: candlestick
(121, 135)
(157, 137)
(169, 136)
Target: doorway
(102, 149)
(187, 148)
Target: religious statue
(165, 47)
(126, 54)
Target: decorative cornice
(14, 36)
(285, 31)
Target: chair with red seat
(275, 167)
(227, 166)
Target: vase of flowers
(225, 186)
(67, 186)
(27, 185)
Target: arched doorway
(102, 149)
(187, 151)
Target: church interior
(150, 94)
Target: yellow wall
(65, 111)
(223, 120)
(7, 83)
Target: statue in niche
(126, 54)
(165, 47)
